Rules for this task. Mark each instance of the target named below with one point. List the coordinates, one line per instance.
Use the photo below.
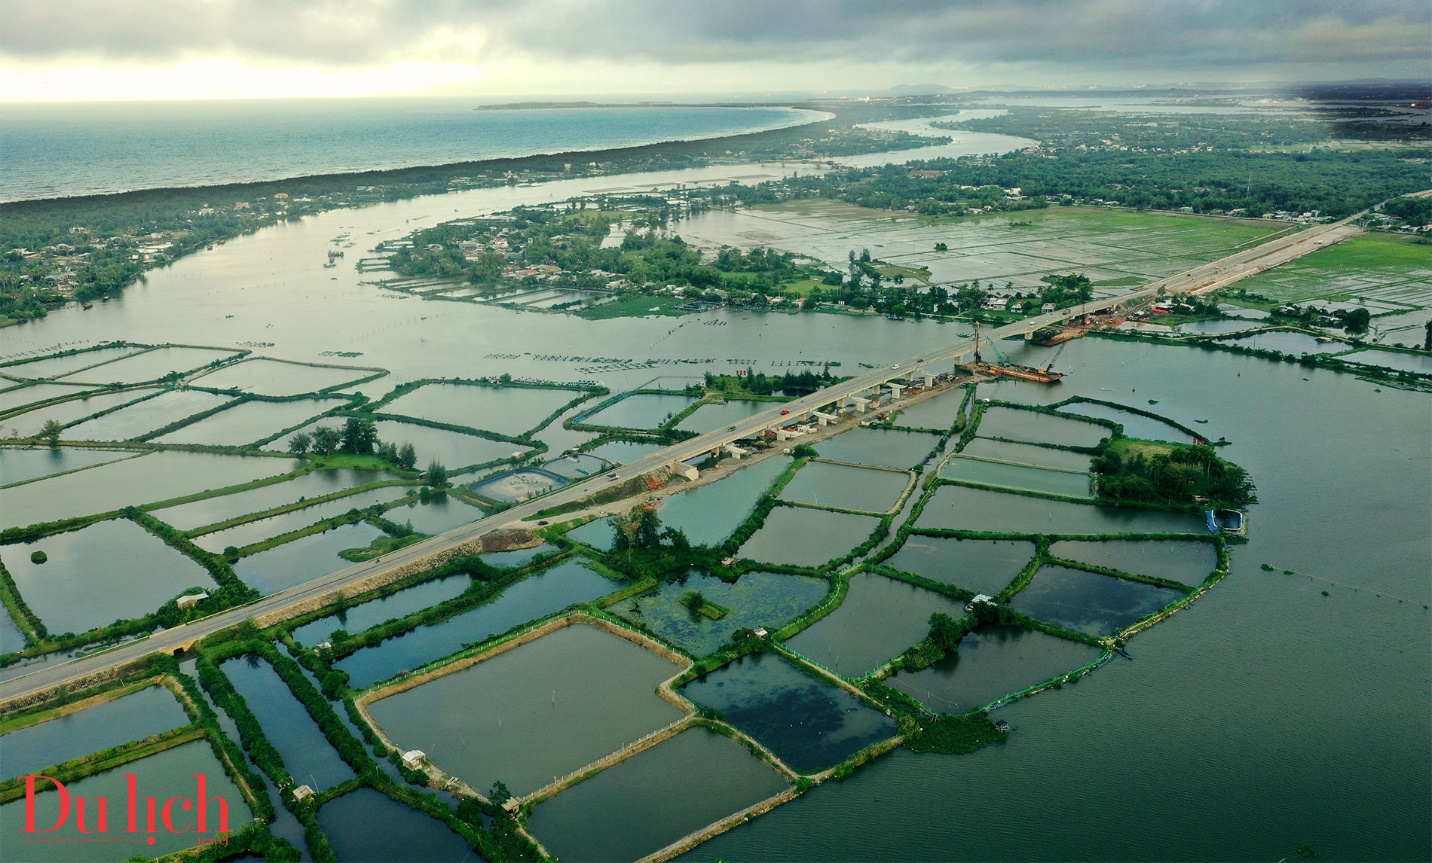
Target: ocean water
(56, 150)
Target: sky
(98, 50)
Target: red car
(783, 413)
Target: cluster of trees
(359, 436)
(641, 529)
(1175, 475)
(1413, 211)
(759, 383)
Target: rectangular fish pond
(1135, 425)
(846, 487)
(797, 536)
(977, 565)
(657, 796)
(533, 713)
(365, 615)
(1187, 562)
(270, 377)
(990, 663)
(534, 597)
(879, 447)
(641, 411)
(141, 714)
(505, 410)
(1018, 476)
(367, 826)
(809, 724)
(963, 508)
(253, 421)
(303, 559)
(755, 599)
(1090, 602)
(143, 417)
(306, 752)
(1032, 427)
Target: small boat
(88, 305)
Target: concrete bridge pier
(929, 380)
(860, 403)
(894, 390)
(825, 419)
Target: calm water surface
(133, 717)
(306, 753)
(367, 826)
(979, 565)
(1089, 602)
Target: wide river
(1279, 711)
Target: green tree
(499, 794)
(50, 432)
(299, 443)
(358, 436)
(407, 457)
(436, 475)
(325, 440)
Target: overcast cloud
(602, 45)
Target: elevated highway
(1201, 279)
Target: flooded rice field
(755, 599)
(809, 724)
(534, 597)
(533, 713)
(879, 619)
(658, 796)
(978, 565)
(68, 591)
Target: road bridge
(1201, 279)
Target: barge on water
(1007, 369)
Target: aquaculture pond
(755, 599)
(53, 367)
(306, 752)
(1090, 602)
(517, 485)
(1026, 453)
(879, 447)
(252, 421)
(303, 559)
(1135, 425)
(518, 556)
(937, 412)
(712, 417)
(797, 536)
(506, 410)
(151, 365)
(1420, 363)
(1018, 476)
(23, 465)
(212, 510)
(878, 620)
(1288, 342)
(18, 396)
(575, 466)
(375, 611)
(533, 597)
(531, 714)
(29, 423)
(624, 451)
(641, 411)
(163, 775)
(454, 449)
(146, 416)
(1215, 327)
(846, 487)
(12, 640)
(141, 714)
(1034, 427)
(267, 528)
(963, 508)
(268, 377)
(977, 565)
(438, 514)
(809, 724)
(367, 826)
(657, 796)
(990, 663)
(1185, 562)
(111, 570)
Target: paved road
(1200, 279)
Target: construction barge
(1006, 369)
